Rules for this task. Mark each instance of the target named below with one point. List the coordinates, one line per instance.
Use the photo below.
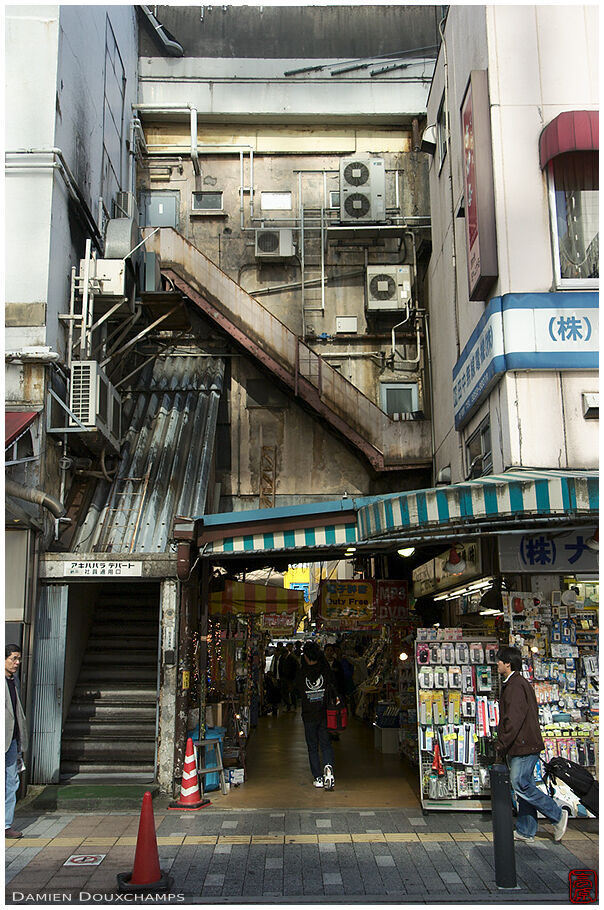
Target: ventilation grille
(356, 173)
(268, 241)
(357, 205)
(382, 287)
(83, 388)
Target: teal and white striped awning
(499, 500)
(319, 527)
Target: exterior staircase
(387, 444)
(110, 731)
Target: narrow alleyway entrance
(278, 774)
(109, 734)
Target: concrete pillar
(168, 679)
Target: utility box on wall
(388, 287)
(362, 190)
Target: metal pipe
(72, 314)
(30, 494)
(322, 263)
(172, 47)
(194, 152)
(84, 349)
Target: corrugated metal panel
(165, 459)
(49, 670)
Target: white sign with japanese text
(105, 569)
(545, 331)
(542, 553)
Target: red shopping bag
(337, 717)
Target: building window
(573, 191)
(281, 202)
(399, 398)
(207, 202)
(479, 457)
(334, 199)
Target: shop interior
(419, 675)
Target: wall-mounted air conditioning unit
(94, 401)
(362, 190)
(388, 287)
(274, 243)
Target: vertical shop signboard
(392, 600)
(348, 602)
(478, 186)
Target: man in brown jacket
(519, 741)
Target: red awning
(15, 424)
(571, 131)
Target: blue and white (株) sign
(557, 331)
(543, 553)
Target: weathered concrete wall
(295, 31)
(169, 611)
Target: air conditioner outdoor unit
(274, 243)
(388, 287)
(362, 190)
(94, 401)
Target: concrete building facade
(541, 413)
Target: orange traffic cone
(146, 876)
(190, 795)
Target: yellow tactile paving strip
(252, 839)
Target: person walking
(15, 736)
(289, 667)
(312, 682)
(519, 741)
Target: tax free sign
(557, 331)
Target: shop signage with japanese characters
(278, 623)
(541, 553)
(433, 576)
(479, 193)
(548, 331)
(392, 600)
(350, 601)
(98, 569)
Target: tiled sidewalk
(337, 856)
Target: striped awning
(498, 499)
(315, 526)
(245, 597)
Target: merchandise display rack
(457, 712)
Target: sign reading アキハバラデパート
(553, 331)
(102, 568)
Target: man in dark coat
(519, 741)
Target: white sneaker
(329, 780)
(560, 827)
(317, 782)
(524, 837)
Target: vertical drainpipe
(204, 625)
(194, 152)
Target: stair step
(124, 775)
(98, 768)
(126, 608)
(106, 751)
(102, 730)
(105, 658)
(115, 693)
(102, 713)
(127, 674)
(119, 629)
(138, 643)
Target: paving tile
(323, 823)
(451, 878)
(385, 861)
(230, 824)
(214, 879)
(418, 821)
(367, 838)
(402, 837)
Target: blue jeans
(11, 783)
(317, 736)
(530, 798)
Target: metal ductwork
(30, 494)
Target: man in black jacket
(519, 741)
(312, 681)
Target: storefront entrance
(278, 775)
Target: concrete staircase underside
(110, 731)
(385, 443)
